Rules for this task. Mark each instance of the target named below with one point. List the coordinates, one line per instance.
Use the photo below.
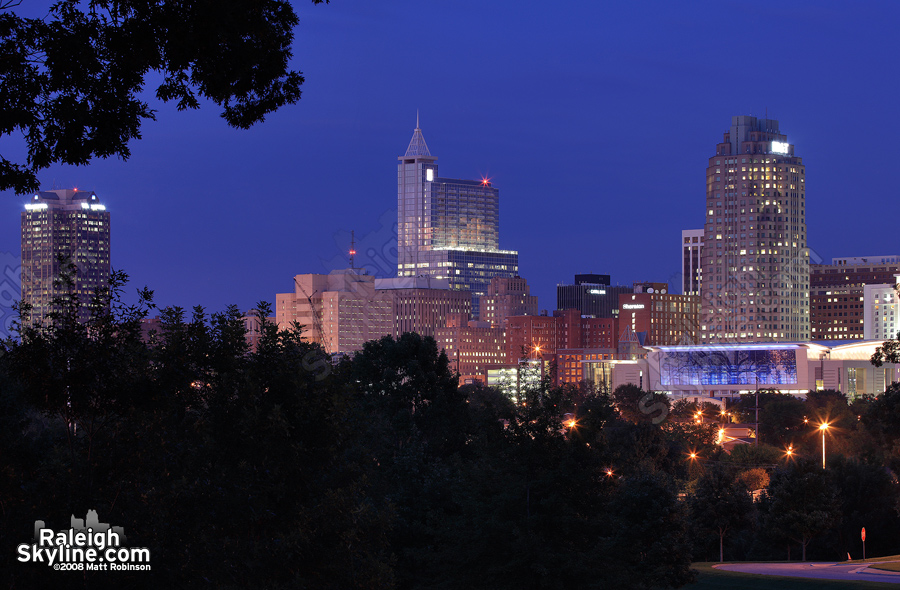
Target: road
(828, 571)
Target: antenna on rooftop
(353, 244)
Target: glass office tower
(448, 228)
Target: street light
(789, 452)
(823, 427)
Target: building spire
(417, 146)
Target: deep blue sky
(594, 119)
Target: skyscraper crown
(417, 146)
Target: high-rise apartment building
(71, 224)
(755, 264)
(340, 310)
(448, 228)
(691, 248)
(837, 292)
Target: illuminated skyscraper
(691, 246)
(69, 223)
(755, 264)
(448, 228)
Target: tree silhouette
(71, 82)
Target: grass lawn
(875, 559)
(891, 567)
(712, 579)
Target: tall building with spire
(71, 224)
(755, 263)
(448, 228)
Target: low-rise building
(728, 370)
(507, 297)
(665, 317)
(471, 346)
(542, 336)
(422, 304)
(881, 310)
(837, 294)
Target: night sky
(594, 119)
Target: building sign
(780, 147)
(597, 292)
(632, 306)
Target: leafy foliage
(276, 468)
(637, 405)
(272, 468)
(72, 82)
(802, 503)
(755, 479)
(883, 420)
(719, 504)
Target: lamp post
(823, 427)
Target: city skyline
(333, 356)
(235, 214)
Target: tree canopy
(72, 83)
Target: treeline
(275, 468)
(771, 499)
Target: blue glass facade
(765, 367)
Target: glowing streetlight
(692, 455)
(789, 452)
(823, 427)
(571, 423)
(609, 472)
